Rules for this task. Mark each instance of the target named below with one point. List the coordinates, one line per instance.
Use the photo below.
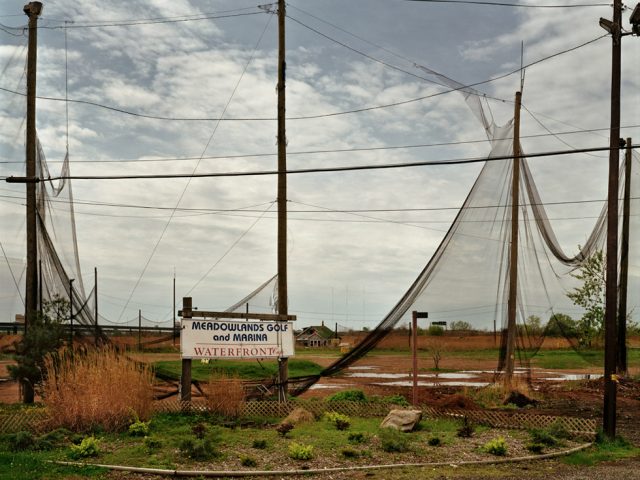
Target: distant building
(317, 336)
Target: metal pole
(512, 305)
(611, 290)
(185, 378)
(414, 353)
(621, 366)
(283, 367)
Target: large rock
(403, 420)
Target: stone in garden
(403, 420)
(298, 416)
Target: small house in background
(317, 336)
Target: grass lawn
(246, 370)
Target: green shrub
(535, 447)
(259, 444)
(434, 442)
(88, 447)
(348, 396)
(21, 441)
(557, 430)
(466, 429)
(543, 437)
(349, 452)
(201, 448)
(392, 440)
(396, 400)
(139, 429)
(357, 437)
(54, 439)
(340, 421)
(199, 430)
(152, 444)
(248, 462)
(435, 331)
(497, 446)
(299, 451)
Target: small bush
(199, 430)
(392, 440)
(340, 421)
(299, 451)
(434, 442)
(87, 448)
(21, 441)
(248, 462)
(152, 444)
(348, 396)
(53, 439)
(497, 446)
(557, 430)
(198, 449)
(357, 437)
(466, 429)
(349, 452)
(259, 444)
(284, 428)
(535, 447)
(225, 394)
(543, 437)
(435, 331)
(139, 429)
(396, 400)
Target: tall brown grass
(224, 394)
(93, 388)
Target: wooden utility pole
(611, 288)
(621, 365)
(512, 305)
(139, 330)
(185, 377)
(174, 307)
(32, 10)
(283, 308)
(414, 355)
(71, 312)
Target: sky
(218, 235)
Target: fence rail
(29, 419)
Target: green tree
(45, 334)
(561, 325)
(460, 325)
(590, 296)
(533, 325)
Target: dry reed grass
(93, 388)
(224, 394)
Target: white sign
(235, 339)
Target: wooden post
(95, 304)
(32, 10)
(414, 354)
(283, 367)
(621, 366)
(71, 312)
(139, 330)
(512, 305)
(611, 288)
(174, 308)
(185, 378)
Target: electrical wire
(316, 116)
(351, 168)
(184, 190)
(518, 5)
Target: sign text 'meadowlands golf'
(235, 339)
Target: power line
(316, 116)
(519, 5)
(386, 166)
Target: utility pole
(71, 312)
(174, 306)
(139, 330)
(621, 366)
(512, 305)
(32, 10)
(283, 308)
(611, 287)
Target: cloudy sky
(218, 59)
